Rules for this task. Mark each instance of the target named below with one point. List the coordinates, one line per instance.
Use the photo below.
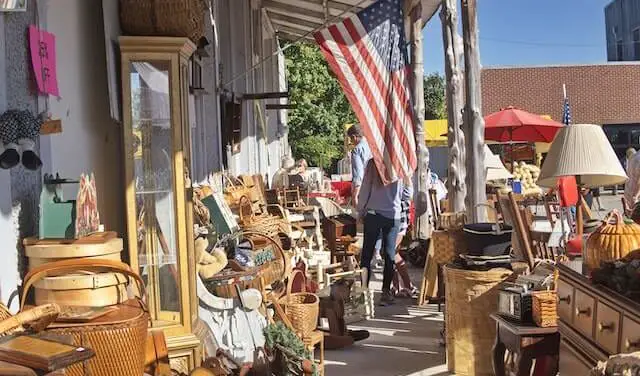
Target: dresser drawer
(584, 312)
(630, 338)
(607, 328)
(565, 301)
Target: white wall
(90, 140)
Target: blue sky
(530, 32)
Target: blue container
(516, 186)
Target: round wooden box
(87, 290)
(42, 253)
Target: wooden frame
(178, 326)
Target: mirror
(13, 5)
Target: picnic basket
(118, 337)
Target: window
(636, 44)
(231, 116)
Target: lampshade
(582, 150)
(494, 167)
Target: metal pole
(422, 195)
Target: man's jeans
(374, 226)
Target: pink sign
(43, 57)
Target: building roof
(599, 94)
(296, 19)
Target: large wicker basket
(118, 338)
(471, 297)
(301, 308)
(169, 18)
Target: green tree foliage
(316, 124)
(434, 97)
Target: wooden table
(529, 342)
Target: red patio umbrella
(511, 124)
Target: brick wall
(598, 94)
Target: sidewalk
(405, 341)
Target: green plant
(279, 338)
(434, 97)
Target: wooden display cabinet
(155, 79)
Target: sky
(529, 32)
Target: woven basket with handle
(544, 306)
(301, 308)
(168, 18)
(118, 338)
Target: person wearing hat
(281, 177)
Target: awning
(295, 19)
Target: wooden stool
(310, 342)
(528, 342)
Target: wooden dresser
(595, 322)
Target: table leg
(524, 364)
(499, 350)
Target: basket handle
(614, 218)
(499, 230)
(292, 276)
(46, 270)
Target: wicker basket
(118, 338)
(471, 297)
(447, 245)
(168, 18)
(301, 308)
(545, 308)
(32, 320)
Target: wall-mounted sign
(13, 5)
(42, 46)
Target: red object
(342, 187)
(412, 213)
(574, 246)
(375, 78)
(568, 191)
(512, 124)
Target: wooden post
(422, 195)
(473, 121)
(456, 185)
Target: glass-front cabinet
(155, 75)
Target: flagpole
(564, 91)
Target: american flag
(566, 113)
(367, 52)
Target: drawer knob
(583, 311)
(566, 299)
(631, 344)
(606, 326)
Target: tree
(434, 97)
(321, 109)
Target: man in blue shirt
(360, 156)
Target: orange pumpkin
(611, 241)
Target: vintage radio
(514, 301)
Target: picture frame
(13, 5)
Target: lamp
(583, 151)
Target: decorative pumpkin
(612, 241)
